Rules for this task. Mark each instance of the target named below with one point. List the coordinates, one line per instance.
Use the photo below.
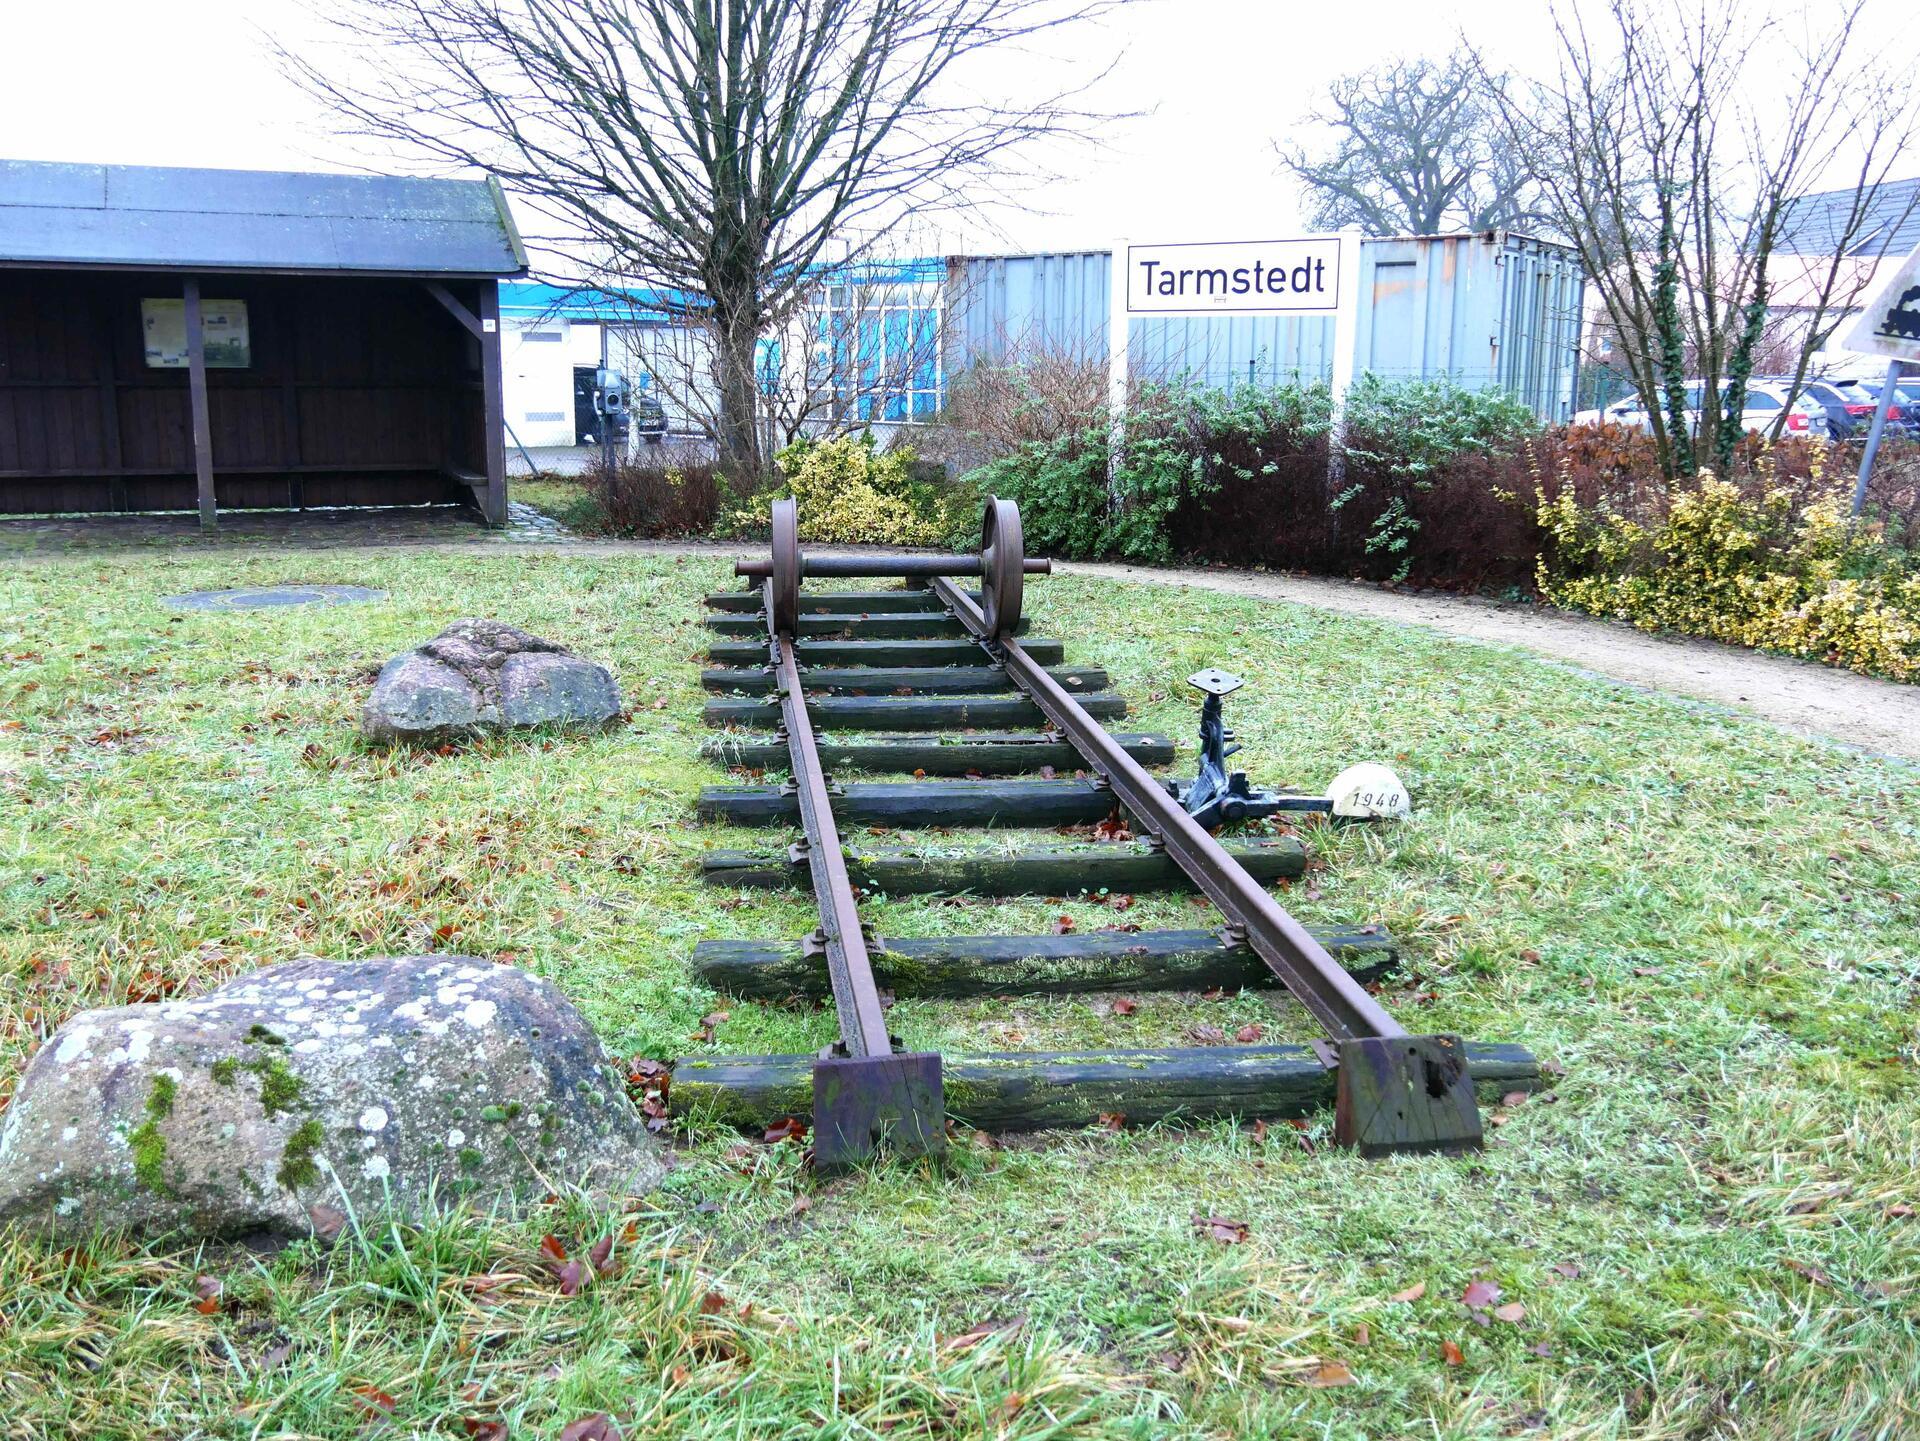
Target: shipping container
(1495, 308)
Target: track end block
(862, 1103)
(1408, 1093)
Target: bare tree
(863, 347)
(1414, 151)
(716, 150)
(1676, 148)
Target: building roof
(153, 218)
(1815, 223)
(544, 300)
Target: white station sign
(1890, 324)
(1235, 277)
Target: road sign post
(1888, 326)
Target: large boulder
(485, 675)
(406, 1082)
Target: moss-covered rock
(386, 1082)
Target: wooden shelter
(206, 339)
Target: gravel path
(1877, 715)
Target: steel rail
(907, 567)
(1289, 951)
(863, 1022)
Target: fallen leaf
(1062, 925)
(551, 1248)
(801, 1205)
(1540, 1348)
(1812, 1273)
(712, 1302)
(1363, 1334)
(1328, 1373)
(1259, 1133)
(1899, 1211)
(1450, 1353)
(597, 1427)
(1514, 1098)
(1113, 1121)
(327, 1222)
(1568, 1269)
(573, 1277)
(1481, 1293)
(1125, 1007)
(786, 1129)
(601, 1256)
(974, 1335)
(275, 1355)
(1219, 1228)
(1412, 1293)
(1513, 1312)
(374, 1401)
(489, 1430)
(1250, 1033)
(208, 1289)
(1207, 1035)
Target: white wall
(538, 375)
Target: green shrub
(1784, 571)
(1402, 437)
(1179, 442)
(849, 492)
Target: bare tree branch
(1415, 151)
(713, 150)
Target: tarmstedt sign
(1235, 277)
(1306, 275)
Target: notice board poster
(223, 329)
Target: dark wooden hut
(213, 339)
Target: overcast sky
(188, 82)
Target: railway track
(943, 683)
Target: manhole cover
(261, 597)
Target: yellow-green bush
(1796, 576)
(850, 493)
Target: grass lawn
(1708, 1225)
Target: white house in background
(555, 337)
(1810, 250)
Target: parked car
(1765, 400)
(648, 417)
(1621, 412)
(1843, 415)
(1862, 397)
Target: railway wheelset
(944, 684)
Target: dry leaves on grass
(1327, 1374)
(207, 1289)
(1219, 1228)
(597, 1427)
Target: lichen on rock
(485, 675)
(405, 1083)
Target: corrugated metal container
(1485, 309)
